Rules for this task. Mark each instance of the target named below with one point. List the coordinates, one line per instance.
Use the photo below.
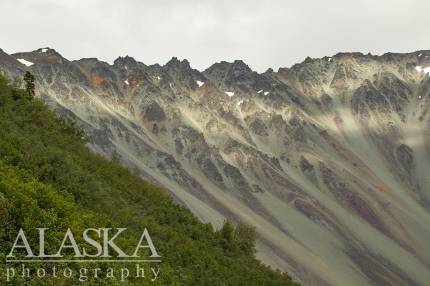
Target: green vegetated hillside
(49, 179)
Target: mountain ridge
(387, 55)
(324, 158)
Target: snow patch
(44, 50)
(420, 55)
(240, 103)
(266, 92)
(157, 77)
(260, 91)
(26, 63)
(229, 93)
(330, 59)
(421, 69)
(126, 82)
(200, 83)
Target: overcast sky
(263, 33)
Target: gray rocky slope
(328, 159)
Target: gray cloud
(263, 33)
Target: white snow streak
(229, 93)
(24, 62)
(200, 83)
(421, 69)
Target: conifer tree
(29, 84)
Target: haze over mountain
(328, 159)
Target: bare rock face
(328, 159)
(405, 156)
(258, 127)
(154, 112)
(10, 66)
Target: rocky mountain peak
(175, 64)
(239, 65)
(125, 62)
(217, 69)
(88, 60)
(239, 71)
(92, 63)
(230, 73)
(46, 50)
(41, 56)
(182, 72)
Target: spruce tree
(29, 84)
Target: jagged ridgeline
(49, 179)
(329, 159)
